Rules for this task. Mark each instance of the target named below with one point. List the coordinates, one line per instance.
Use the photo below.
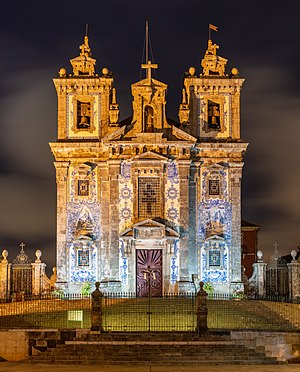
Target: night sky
(260, 38)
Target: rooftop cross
(148, 66)
(22, 245)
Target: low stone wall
(281, 345)
(14, 345)
(17, 345)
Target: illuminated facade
(148, 203)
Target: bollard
(201, 309)
(96, 313)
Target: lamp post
(148, 274)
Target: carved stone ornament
(84, 64)
(212, 63)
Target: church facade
(148, 204)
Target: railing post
(201, 309)
(96, 313)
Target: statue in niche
(83, 115)
(213, 115)
(149, 119)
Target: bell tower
(87, 111)
(210, 111)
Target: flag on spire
(212, 27)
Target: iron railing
(172, 312)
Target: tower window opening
(213, 115)
(83, 115)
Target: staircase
(151, 349)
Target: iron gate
(126, 312)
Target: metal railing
(172, 312)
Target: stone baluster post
(201, 309)
(38, 272)
(96, 314)
(294, 276)
(5, 269)
(258, 279)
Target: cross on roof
(148, 66)
(22, 245)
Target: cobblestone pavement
(22, 367)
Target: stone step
(170, 355)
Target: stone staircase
(151, 349)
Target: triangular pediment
(149, 225)
(180, 134)
(150, 155)
(145, 82)
(215, 237)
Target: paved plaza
(24, 367)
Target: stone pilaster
(184, 174)
(104, 199)
(235, 175)
(61, 246)
(193, 220)
(114, 170)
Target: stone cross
(148, 66)
(22, 245)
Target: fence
(172, 312)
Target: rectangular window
(214, 187)
(83, 187)
(214, 258)
(149, 197)
(83, 258)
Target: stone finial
(294, 254)
(192, 71)
(259, 255)
(38, 255)
(4, 255)
(62, 72)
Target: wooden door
(149, 272)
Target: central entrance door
(149, 272)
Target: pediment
(215, 237)
(149, 229)
(217, 166)
(150, 155)
(180, 134)
(145, 82)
